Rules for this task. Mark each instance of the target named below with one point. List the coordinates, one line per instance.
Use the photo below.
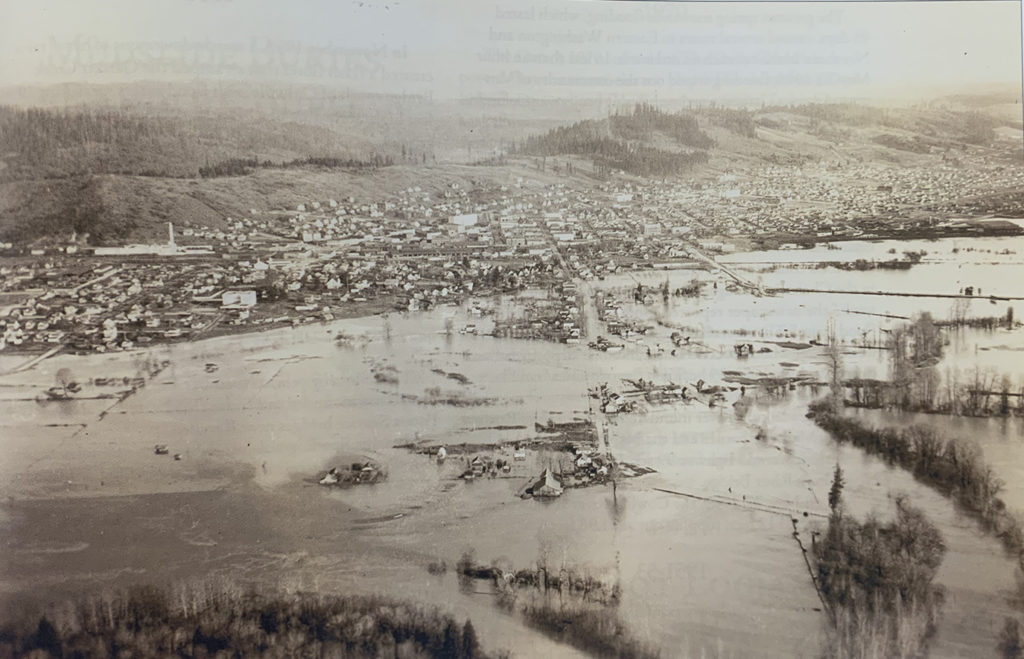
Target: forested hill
(56, 143)
(645, 141)
(113, 175)
(49, 143)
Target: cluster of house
(101, 307)
(418, 248)
(609, 311)
(480, 466)
(102, 304)
(557, 318)
(818, 199)
(586, 467)
(653, 222)
(968, 176)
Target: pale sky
(520, 48)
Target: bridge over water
(746, 283)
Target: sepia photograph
(472, 329)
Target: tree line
(568, 604)
(954, 467)
(970, 127)
(147, 621)
(844, 113)
(915, 383)
(243, 166)
(951, 465)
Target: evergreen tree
(46, 638)
(451, 645)
(835, 493)
(470, 644)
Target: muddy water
(87, 504)
(976, 572)
(281, 406)
(1002, 444)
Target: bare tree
(988, 385)
(928, 382)
(952, 401)
(835, 357)
(958, 314)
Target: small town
(329, 259)
(494, 330)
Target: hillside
(113, 208)
(452, 130)
(116, 162)
(118, 174)
(645, 141)
(57, 143)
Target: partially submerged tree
(835, 493)
(914, 350)
(877, 579)
(835, 357)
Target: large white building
(462, 222)
(238, 299)
(170, 249)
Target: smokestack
(170, 234)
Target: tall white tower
(170, 234)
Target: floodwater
(86, 504)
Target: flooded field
(703, 548)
